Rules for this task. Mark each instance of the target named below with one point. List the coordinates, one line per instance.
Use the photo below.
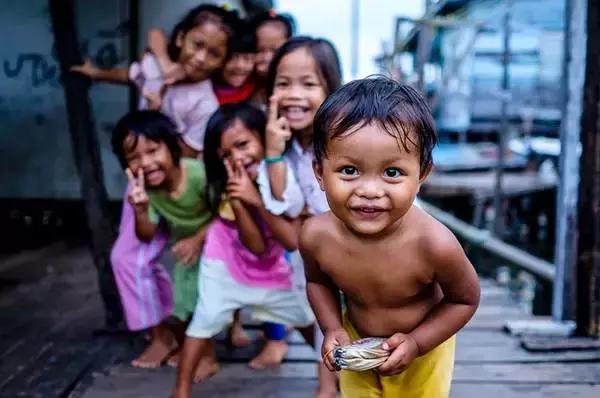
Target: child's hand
(333, 339)
(157, 42)
(404, 350)
(187, 251)
(240, 186)
(278, 130)
(137, 196)
(154, 98)
(87, 68)
(173, 72)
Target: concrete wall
(36, 158)
(35, 150)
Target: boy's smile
(370, 179)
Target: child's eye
(392, 172)
(348, 170)
(280, 84)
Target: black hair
(271, 16)
(397, 108)
(227, 20)
(149, 124)
(322, 51)
(244, 41)
(223, 118)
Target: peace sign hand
(240, 186)
(278, 130)
(137, 195)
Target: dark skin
(419, 287)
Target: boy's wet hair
(152, 125)
(322, 51)
(271, 16)
(397, 108)
(227, 20)
(216, 176)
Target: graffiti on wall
(43, 68)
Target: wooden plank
(514, 353)
(482, 184)
(560, 344)
(539, 373)
(529, 390)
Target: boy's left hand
(240, 186)
(187, 251)
(404, 350)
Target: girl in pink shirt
(243, 263)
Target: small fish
(361, 355)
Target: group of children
(246, 149)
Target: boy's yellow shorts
(429, 376)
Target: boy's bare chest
(376, 274)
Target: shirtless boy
(403, 275)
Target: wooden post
(503, 132)
(134, 19)
(423, 52)
(588, 250)
(86, 153)
(565, 253)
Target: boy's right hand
(278, 130)
(87, 68)
(137, 195)
(333, 339)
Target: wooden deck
(52, 345)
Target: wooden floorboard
(48, 348)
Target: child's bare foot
(238, 336)
(271, 356)
(154, 355)
(173, 360)
(207, 367)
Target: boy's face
(370, 180)
(152, 157)
(238, 69)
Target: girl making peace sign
(165, 189)
(243, 261)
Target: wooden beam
(565, 253)
(86, 153)
(588, 251)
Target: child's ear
(425, 173)
(318, 169)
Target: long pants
(144, 285)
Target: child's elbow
(144, 235)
